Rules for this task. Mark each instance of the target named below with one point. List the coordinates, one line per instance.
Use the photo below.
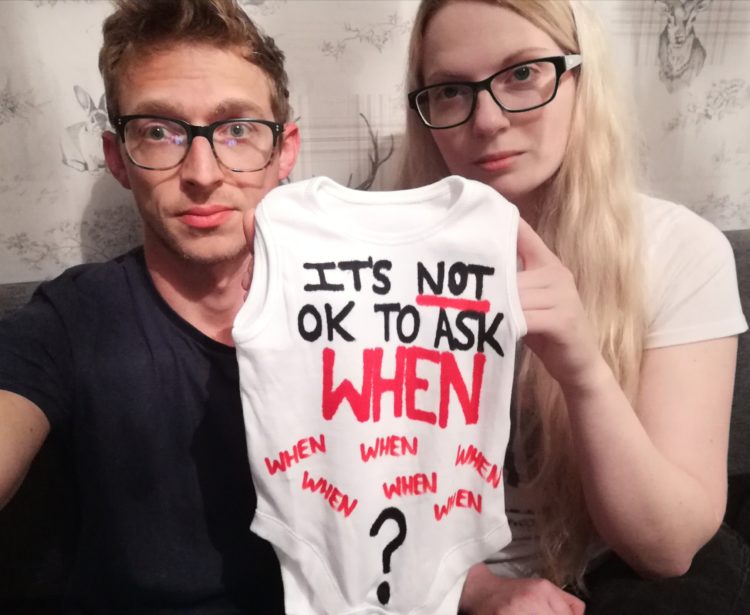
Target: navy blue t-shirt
(149, 410)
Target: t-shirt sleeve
(35, 358)
(692, 279)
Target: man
(130, 362)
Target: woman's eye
(522, 73)
(450, 92)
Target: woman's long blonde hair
(587, 216)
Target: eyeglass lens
(162, 144)
(516, 89)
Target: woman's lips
(497, 162)
(209, 216)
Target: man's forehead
(179, 78)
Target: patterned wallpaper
(685, 63)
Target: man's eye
(238, 130)
(156, 133)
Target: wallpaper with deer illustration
(684, 63)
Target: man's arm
(23, 429)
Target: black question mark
(384, 590)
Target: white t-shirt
(376, 354)
(691, 295)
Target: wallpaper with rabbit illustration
(684, 64)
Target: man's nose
(200, 167)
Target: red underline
(465, 305)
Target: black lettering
(385, 287)
(424, 276)
(314, 333)
(334, 322)
(487, 335)
(408, 310)
(323, 283)
(355, 267)
(387, 309)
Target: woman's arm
(654, 476)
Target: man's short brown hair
(144, 26)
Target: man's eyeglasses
(521, 87)
(160, 143)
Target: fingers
(531, 248)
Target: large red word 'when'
(366, 402)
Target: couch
(36, 540)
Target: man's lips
(497, 161)
(206, 216)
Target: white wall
(58, 206)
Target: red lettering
(393, 446)
(365, 401)
(338, 501)
(417, 484)
(450, 376)
(413, 383)
(473, 457)
(462, 498)
(382, 385)
(301, 450)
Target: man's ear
(113, 157)
(289, 150)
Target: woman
(631, 303)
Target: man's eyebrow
(158, 107)
(237, 107)
(226, 109)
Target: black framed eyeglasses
(160, 143)
(521, 87)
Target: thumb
(531, 248)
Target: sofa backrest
(739, 433)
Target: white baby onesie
(376, 354)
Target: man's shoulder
(96, 278)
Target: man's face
(195, 210)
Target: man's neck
(206, 296)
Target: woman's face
(515, 153)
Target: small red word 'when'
(340, 502)
(418, 484)
(403, 386)
(302, 450)
(473, 457)
(461, 499)
(391, 446)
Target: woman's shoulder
(690, 272)
(676, 238)
(665, 220)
